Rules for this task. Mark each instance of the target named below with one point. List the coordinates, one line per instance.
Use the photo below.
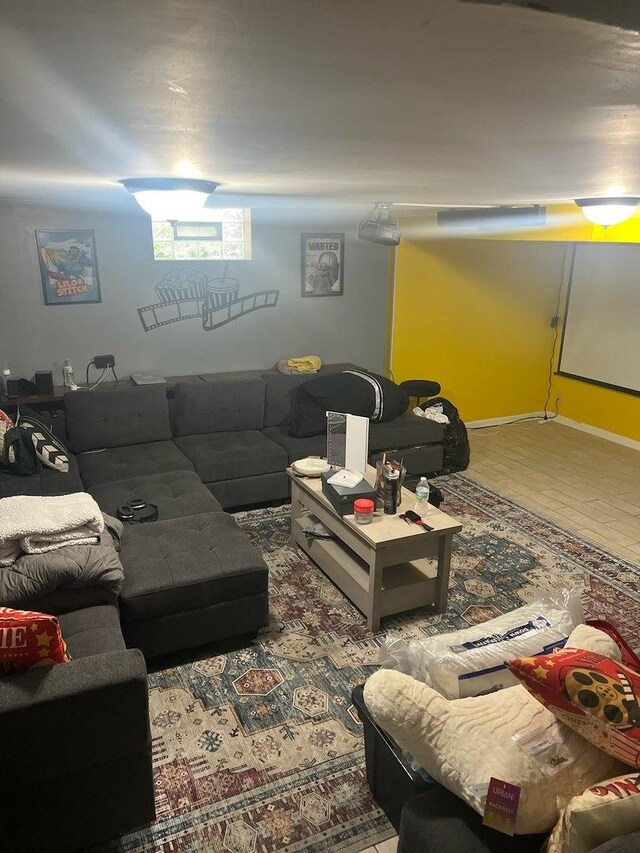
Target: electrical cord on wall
(112, 369)
(556, 333)
(104, 373)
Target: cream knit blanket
(38, 524)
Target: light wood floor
(583, 482)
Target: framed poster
(322, 264)
(68, 266)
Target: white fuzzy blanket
(39, 524)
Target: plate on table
(310, 466)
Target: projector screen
(601, 335)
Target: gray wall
(38, 337)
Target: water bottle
(4, 385)
(67, 376)
(422, 497)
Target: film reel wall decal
(216, 301)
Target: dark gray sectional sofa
(191, 577)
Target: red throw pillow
(29, 639)
(595, 696)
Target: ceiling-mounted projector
(493, 218)
(380, 226)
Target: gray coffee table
(385, 567)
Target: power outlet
(101, 362)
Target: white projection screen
(601, 335)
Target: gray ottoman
(175, 493)
(190, 581)
(439, 822)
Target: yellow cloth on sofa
(303, 364)
(306, 363)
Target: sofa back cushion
(97, 419)
(280, 388)
(219, 406)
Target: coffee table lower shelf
(405, 586)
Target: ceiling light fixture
(608, 211)
(170, 198)
(380, 226)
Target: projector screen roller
(601, 335)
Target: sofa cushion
(92, 631)
(122, 463)
(116, 418)
(232, 375)
(175, 493)
(297, 448)
(187, 563)
(219, 406)
(45, 482)
(230, 455)
(405, 431)
(280, 386)
(249, 491)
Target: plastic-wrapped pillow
(470, 662)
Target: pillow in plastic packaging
(470, 662)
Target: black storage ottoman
(390, 778)
(190, 581)
(439, 822)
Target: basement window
(230, 241)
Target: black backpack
(18, 453)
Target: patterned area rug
(260, 749)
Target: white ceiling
(433, 101)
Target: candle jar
(363, 510)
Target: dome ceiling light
(607, 211)
(170, 198)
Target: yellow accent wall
(474, 314)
